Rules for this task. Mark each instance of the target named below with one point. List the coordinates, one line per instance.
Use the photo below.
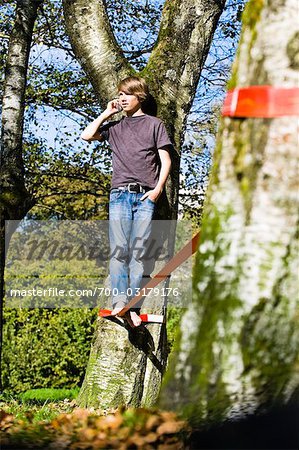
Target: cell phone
(119, 108)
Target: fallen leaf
(123, 433)
(81, 413)
(113, 422)
(150, 437)
(168, 415)
(152, 422)
(6, 420)
(87, 434)
(136, 439)
(170, 427)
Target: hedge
(45, 348)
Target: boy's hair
(134, 86)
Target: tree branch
(186, 32)
(67, 176)
(60, 213)
(95, 46)
(71, 193)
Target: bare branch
(71, 193)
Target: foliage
(131, 428)
(174, 316)
(66, 191)
(46, 348)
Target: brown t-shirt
(134, 141)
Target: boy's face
(130, 103)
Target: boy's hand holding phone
(91, 131)
(113, 107)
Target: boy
(141, 164)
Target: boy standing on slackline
(141, 164)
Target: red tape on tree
(261, 101)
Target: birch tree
(15, 200)
(120, 372)
(237, 351)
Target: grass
(40, 396)
(37, 405)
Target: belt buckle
(129, 188)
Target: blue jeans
(130, 221)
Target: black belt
(134, 188)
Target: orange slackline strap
(147, 318)
(172, 264)
(261, 101)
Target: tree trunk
(237, 351)
(15, 201)
(187, 27)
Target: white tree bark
(238, 350)
(95, 46)
(14, 198)
(11, 163)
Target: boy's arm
(91, 132)
(155, 193)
